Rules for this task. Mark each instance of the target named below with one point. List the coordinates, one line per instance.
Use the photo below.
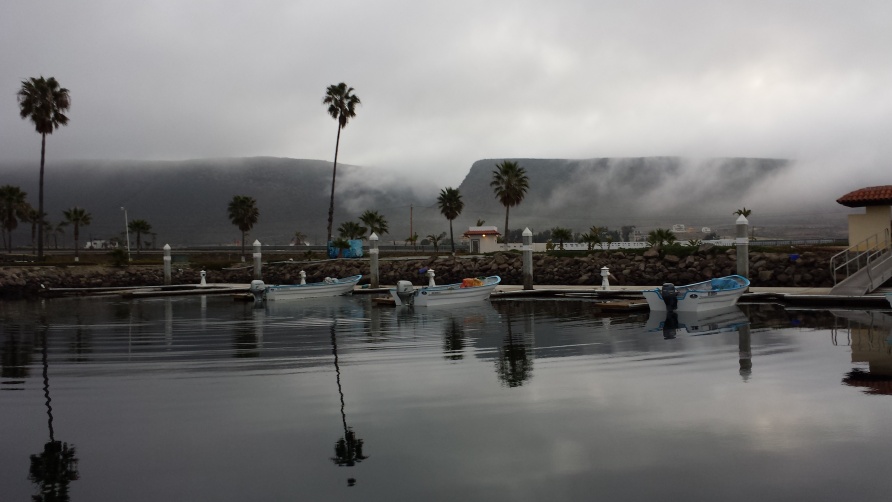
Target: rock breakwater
(806, 269)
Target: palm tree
(413, 240)
(435, 240)
(451, 206)
(660, 237)
(561, 234)
(351, 230)
(744, 212)
(78, 216)
(375, 222)
(341, 243)
(244, 214)
(139, 227)
(12, 209)
(299, 238)
(342, 107)
(510, 184)
(44, 102)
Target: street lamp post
(127, 231)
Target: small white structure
(679, 228)
(100, 244)
(483, 239)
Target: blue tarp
(355, 250)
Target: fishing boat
(328, 287)
(432, 295)
(718, 293)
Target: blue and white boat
(718, 293)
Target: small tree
(139, 227)
(451, 206)
(244, 214)
(77, 217)
(561, 234)
(435, 240)
(352, 230)
(413, 240)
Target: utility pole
(411, 227)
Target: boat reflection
(870, 335)
(696, 323)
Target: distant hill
(186, 201)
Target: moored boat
(469, 290)
(328, 287)
(718, 293)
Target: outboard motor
(669, 297)
(406, 292)
(257, 288)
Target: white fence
(539, 247)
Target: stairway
(863, 267)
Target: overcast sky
(446, 83)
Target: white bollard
(257, 273)
(527, 258)
(303, 277)
(167, 280)
(605, 283)
(430, 277)
(373, 259)
(203, 276)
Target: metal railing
(859, 256)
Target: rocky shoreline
(805, 269)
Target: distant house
(679, 228)
(100, 244)
(483, 239)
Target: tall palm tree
(244, 214)
(44, 102)
(375, 222)
(12, 209)
(342, 107)
(78, 216)
(510, 184)
(451, 206)
(140, 228)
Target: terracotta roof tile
(870, 196)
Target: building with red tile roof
(875, 223)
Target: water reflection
(514, 365)
(348, 449)
(870, 337)
(53, 469)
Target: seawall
(806, 269)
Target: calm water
(206, 399)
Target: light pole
(127, 231)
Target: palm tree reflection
(515, 363)
(453, 339)
(54, 468)
(348, 449)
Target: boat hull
(450, 294)
(314, 290)
(700, 297)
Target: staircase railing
(859, 256)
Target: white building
(483, 239)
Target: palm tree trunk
(40, 201)
(76, 237)
(506, 227)
(334, 174)
(243, 245)
(451, 238)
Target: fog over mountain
(186, 201)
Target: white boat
(328, 287)
(718, 293)
(469, 290)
